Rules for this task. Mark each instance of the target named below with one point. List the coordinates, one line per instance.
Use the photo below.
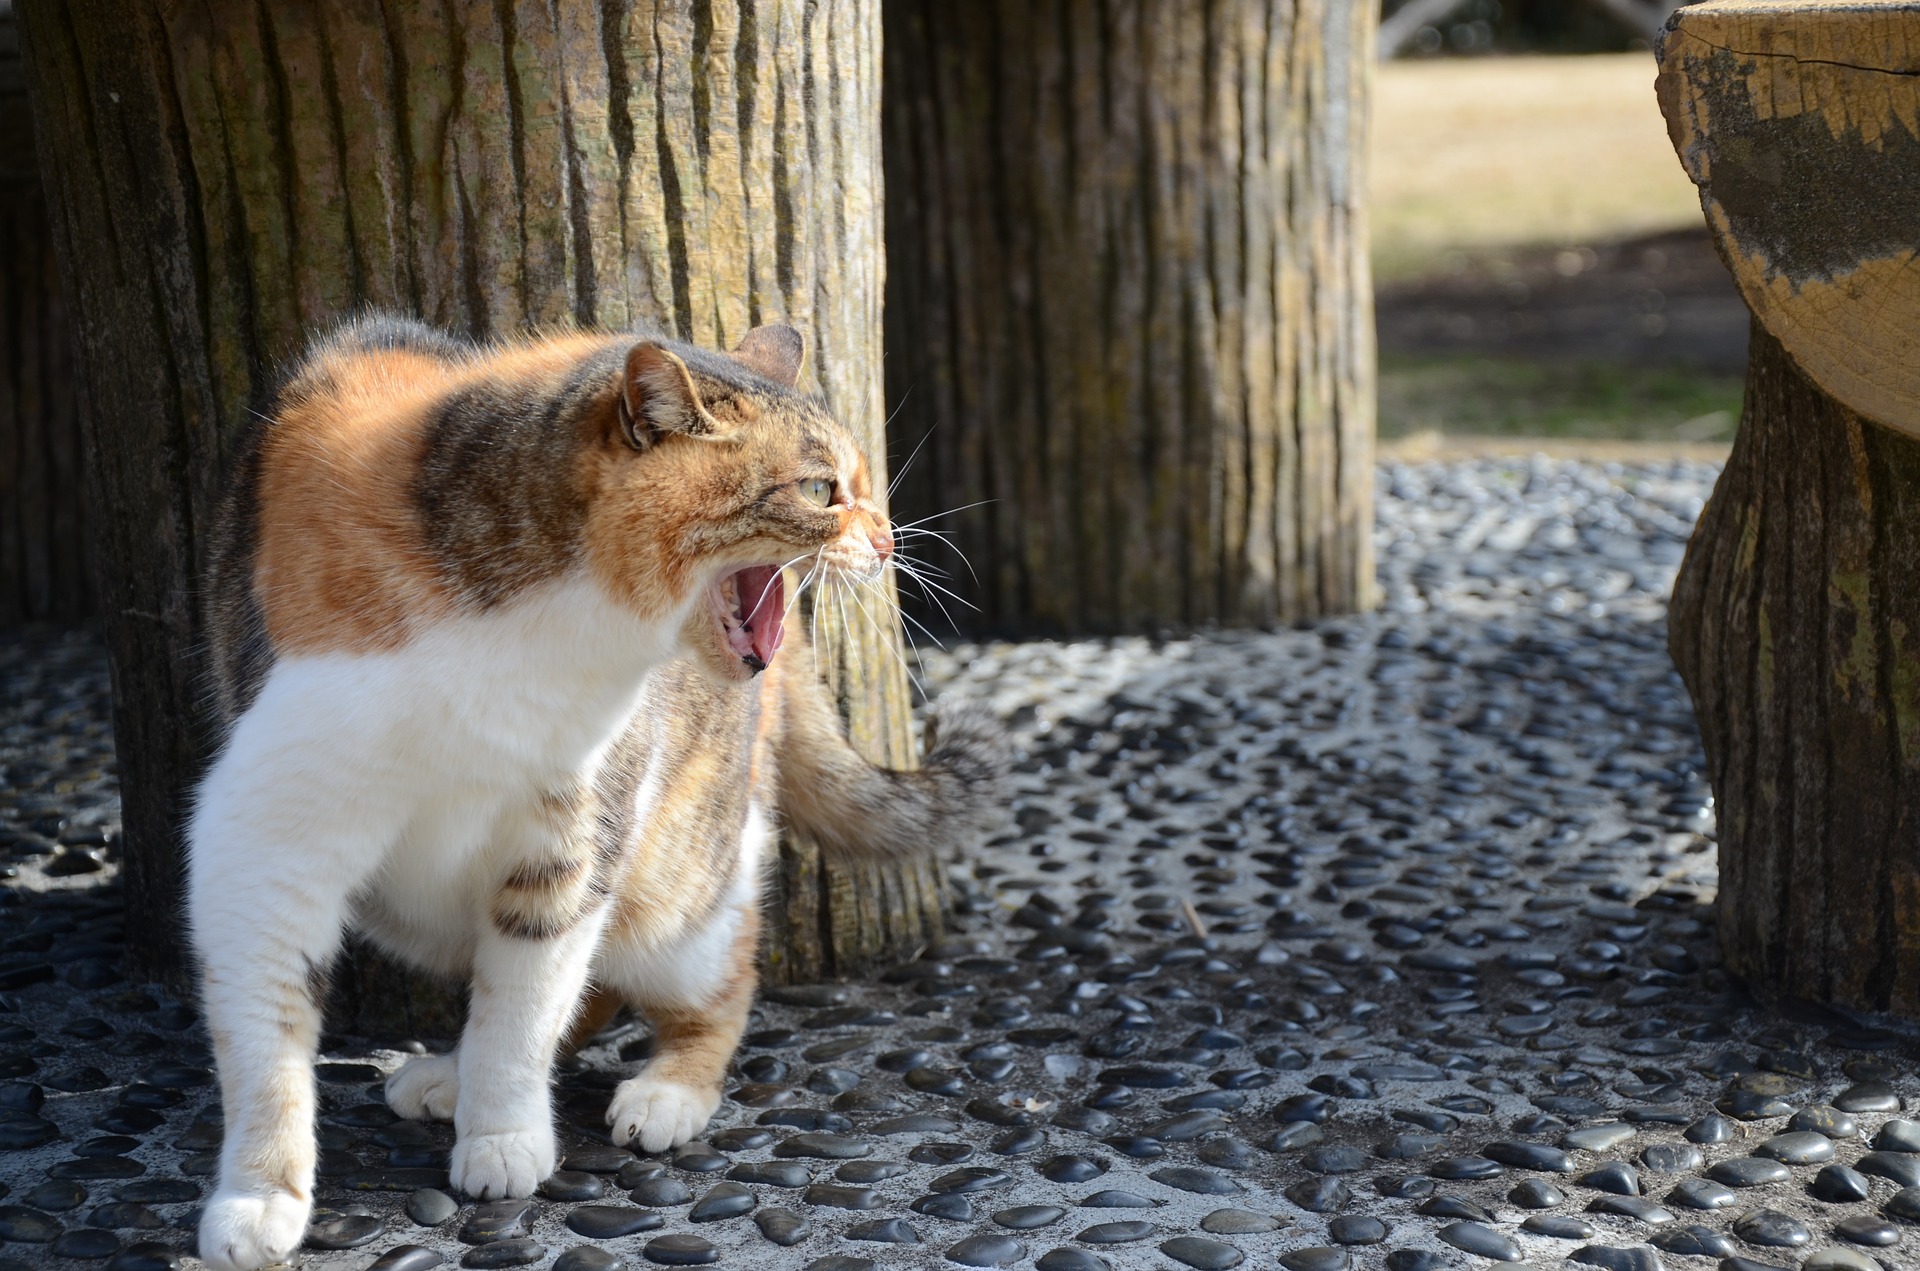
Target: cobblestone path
(1382, 943)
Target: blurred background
(1540, 261)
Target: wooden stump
(227, 177)
(44, 570)
(1129, 312)
(1796, 616)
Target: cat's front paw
(240, 1231)
(426, 1089)
(654, 1115)
(495, 1166)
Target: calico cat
(493, 640)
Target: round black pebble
(1027, 1217)
(1531, 1156)
(1316, 1258)
(517, 1252)
(680, 1251)
(88, 1244)
(1694, 1241)
(1671, 1158)
(723, 1200)
(1614, 1259)
(944, 1205)
(24, 1226)
(1202, 1254)
(1711, 1128)
(894, 1231)
(1116, 1233)
(1323, 1195)
(589, 1258)
(573, 1185)
(661, 1191)
(1191, 1178)
(430, 1207)
(1770, 1229)
(148, 1255)
(1356, 1229)
(1558, 1227)
(1536, 1193)
(1065, 1259)
(1797, 1147)
(1749, 1171)
(407, 1258)
(343, 1231)
(1860, 1229)
(1481, 1240)
(496, 1220)
(56, 1196)
(987, 1250)
(1839, 1185)
(610, 1222)
(783, 1226)
(1072, 1169)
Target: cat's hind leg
(697, 998)
(279, 839)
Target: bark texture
(1796, 625)
(1129, 312)
(1796, 615)
(43, 520)
(229, 176)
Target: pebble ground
(1380, 943)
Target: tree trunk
(43, 550)
(1796, 616)
(229, 177)
(1129, 311)
(1796, 625)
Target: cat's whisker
(944, 612)
(922, 445)
(910, 531)
(915, 622)
(964, 507)
(886, 643)
(910, 571)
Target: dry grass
(1523, 151)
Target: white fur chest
(432, 755)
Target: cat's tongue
(763, 609)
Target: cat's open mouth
(752, 607)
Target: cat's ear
(775, 353)
(657, 396)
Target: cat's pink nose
(882, 542)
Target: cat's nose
(882, 540)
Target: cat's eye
(817, 490)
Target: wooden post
(1129, 313)
(228, 177)
(1796, 616)
(44, 571)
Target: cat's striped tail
(833, 795)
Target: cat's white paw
(426, 1089)
(495, 1166)
(239, 1231)
(655, 1115)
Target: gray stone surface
(1385, 942)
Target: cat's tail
(833, 795)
